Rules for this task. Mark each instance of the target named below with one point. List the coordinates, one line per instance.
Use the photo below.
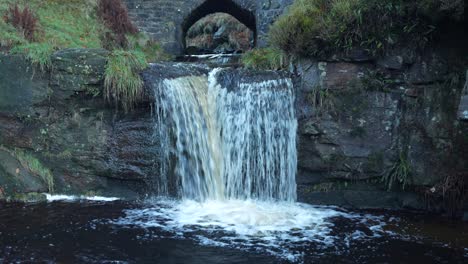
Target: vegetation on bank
(265, 59)
(37, 28)
(320, 28)
(122, 80)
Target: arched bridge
(167, 21)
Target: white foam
(62, 197)
(276, 228)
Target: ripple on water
(280, 229)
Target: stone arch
(208, 7)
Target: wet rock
(359, 55)
(391, 62)
(429, 69)
(338, 75)
(463, 108)
(77, 70)
(15, 178)
(21, 85)
(310, 129)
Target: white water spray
(231, 143)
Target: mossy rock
(77, 70)
(28, 197)
(15, 178)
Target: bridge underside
(167, 21)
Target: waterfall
(231, 139)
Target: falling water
(230, 142)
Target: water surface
(162, 231)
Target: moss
(265, 59)
(28, 197)
(123, 84)
(36, 167)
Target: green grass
(62, 24)
(399, 173)
(36, 167)
(265, 59)
(322, 27)
(74, 24)
(38, 53)
(123, 84)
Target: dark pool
(89, 232)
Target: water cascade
(233, 139)
(228, 141)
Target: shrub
(123, 84)
(114, 14)
(9, 36)
(264, 59)
(24, 20)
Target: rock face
(364, 121)
(59, 119)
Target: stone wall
(167, 20)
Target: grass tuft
(399, 173)
(265, 59)
(123, 84)
(36, 167)
(38, 53)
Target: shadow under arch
(244, 16)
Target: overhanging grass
(264, 59)
(321, 27)
(123, 84)
(38, 53)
